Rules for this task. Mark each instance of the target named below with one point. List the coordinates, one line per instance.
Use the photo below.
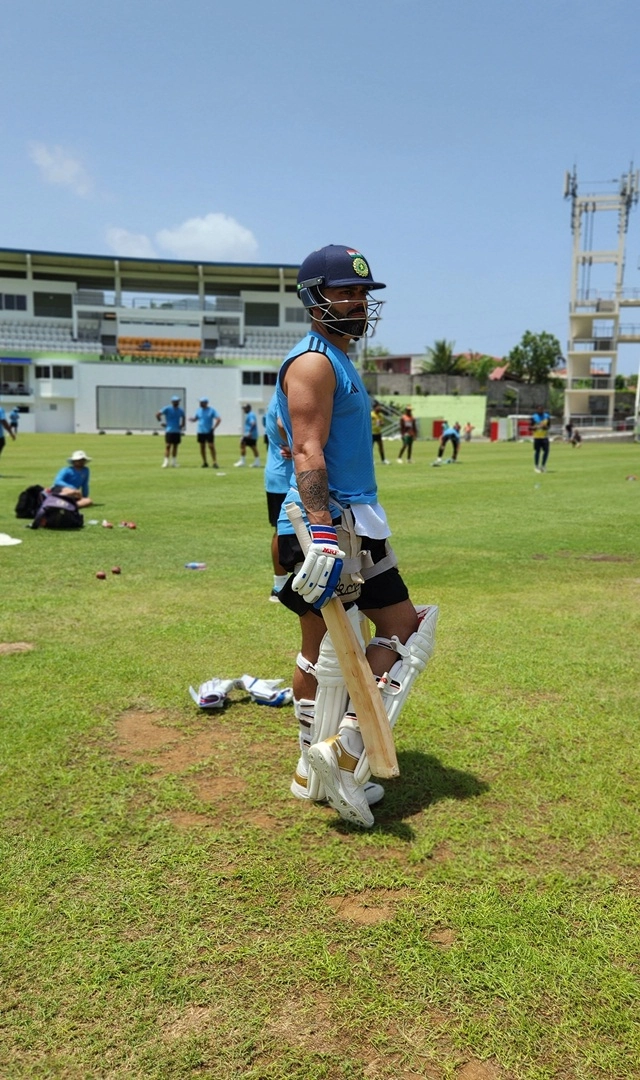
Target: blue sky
(433, 135)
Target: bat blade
(358, 676)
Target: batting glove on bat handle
(320, 572)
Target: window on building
(52, 305)
(13, 374)
(62, 371)
(43, 371)
(261, 314)
(13, 302)
(296, 314)
(269, 378)
(251, 378)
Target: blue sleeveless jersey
(277, 470)
(348, 451)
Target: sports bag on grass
(29, 501)
(56, 512)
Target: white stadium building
(93, 343)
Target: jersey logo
(354, 389)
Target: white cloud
(130, 245)
(212, 238)
(57, 166)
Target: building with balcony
(91, 342)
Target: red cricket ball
(101, 574)
(115, 570)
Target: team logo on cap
(359, 264)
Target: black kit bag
(29, 501)
(56, 512)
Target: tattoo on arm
(314, 489)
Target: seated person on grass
(72, 482)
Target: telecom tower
(595, 330)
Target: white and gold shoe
(374, 793)
(335, 767)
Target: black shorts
(205, 437)
(172, 438)
(382, 591)
(275, 500)
(2, 442)
(246, 441)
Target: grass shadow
(423, 781)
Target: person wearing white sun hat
(72, 481)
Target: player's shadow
(423, 781)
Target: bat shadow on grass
(423, 781)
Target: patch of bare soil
(213, 789)
(7, 647)
(445, 937)
(207, 761)
(191, 750)
(192, 1020)
(441, 853)
(139, 732)
(368, 907)
(305, 1022)
(184, 820)
(479, 1070)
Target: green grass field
(169, 911)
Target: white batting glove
(320, 572)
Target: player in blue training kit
(4, 423)
(452, 435)
(277, 481)
(174, 421)
(72, 481)
(207, 420)
(324, 408)
(249, 438)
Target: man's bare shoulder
(309, 366)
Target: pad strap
(305, 665)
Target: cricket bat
(358, 676)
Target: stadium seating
(162, 347)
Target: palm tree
(440, 359)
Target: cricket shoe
(438, 461)
(274, 598)
(238, 464)
(335, 767)
(165, 463)
(373, 792)
(255, 465)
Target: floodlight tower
(594, 315)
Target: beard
(354, 325)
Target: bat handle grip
(294, 513)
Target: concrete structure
(90, 343)
(598, 302)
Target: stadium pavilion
(94, 343)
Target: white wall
(223, 386)
(51, 416)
